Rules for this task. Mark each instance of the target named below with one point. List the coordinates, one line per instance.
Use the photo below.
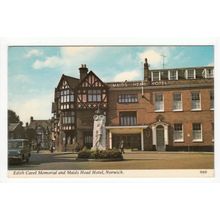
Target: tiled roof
(42, 123)
(72, 82)
(12, 126)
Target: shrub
(84, 154)
(100, 154)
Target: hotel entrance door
(160, 138)
(131, 141)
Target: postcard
(110, 111)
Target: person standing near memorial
(121, 146)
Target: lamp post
(188, 137)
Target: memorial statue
(99, 132)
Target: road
(132, 160)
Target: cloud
(38, 107)
(34, 52)
(154, 55)
(127, 75)
(67, 58)
(49, 62)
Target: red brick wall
(147, 115)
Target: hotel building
(169, 110)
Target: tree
(13, 117)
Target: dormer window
(190, 74)
(155, 76)
(173, 75)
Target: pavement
(45, 160)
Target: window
(69, 117)
(212, 100)
(191, 74)
(209, 73)
(196, 104)
(159, 102)
(173, 75)
(66, 96)
(177, 101)
(213, 132)
(128, 98)
(164, 75)
(127, 118)
(94, 95)
(197, 132)
(155, 76)
(178, 132)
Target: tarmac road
(132, 160)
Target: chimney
(146, 71)
(83, 70)
(26, 124)
(31, 119)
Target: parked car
(19, 150)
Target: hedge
(100, 154)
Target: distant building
(16, 131)
(169, 110)
(39, 132)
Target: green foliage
(84, 154)
(13, 117)
(100, 154)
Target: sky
(34, 72)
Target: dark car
(19, 150)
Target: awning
(126, 129)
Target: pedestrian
(38, 147)
(51, 147)
(121, 146)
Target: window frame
(182, 132)
(176, 74)
(155, 105)
(123, 97)
(187, 74)
(212, 94)
(201, 133)
(93, 96)
(196, 109)
(181, 101)
(127, 120)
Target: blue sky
(34, 72)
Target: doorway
(160, 143)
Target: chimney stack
(146, 71)
(31, 119)
(83, 70)
(26, 124)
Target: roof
(13, 126)
(182, 68)
(43, 123)
(72, 82)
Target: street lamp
(188, 137)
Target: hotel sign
(129, 84)
(158, 83)
(137, 84)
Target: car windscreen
(14, 144)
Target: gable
(67, 82)
(92, 80)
